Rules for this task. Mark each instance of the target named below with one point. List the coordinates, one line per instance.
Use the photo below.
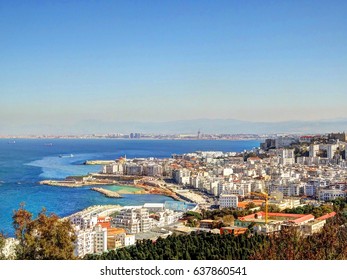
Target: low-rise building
(331, 194)
(312, 227)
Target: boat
(11, 142)
(48, 144)
(66, 156)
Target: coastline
(143, 186)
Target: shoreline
(144, 188)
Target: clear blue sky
(65, 62)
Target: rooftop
(296, 218)
(327, 216)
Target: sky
(66, 63)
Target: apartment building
(133, 220)
(228, 201)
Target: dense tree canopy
(289, 244)
(205, 246)
(310, 209)
(44, 238)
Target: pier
(107, 193)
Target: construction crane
(266, 197)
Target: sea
(25, 162)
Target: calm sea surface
(27, 161)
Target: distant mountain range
(217, 126)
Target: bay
(25, 162)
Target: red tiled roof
(304, 219)
(326, 216)
(296, 218)
(104, 224)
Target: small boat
(66, 156)
(48, 144)
(11, 142)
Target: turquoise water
(28, 161)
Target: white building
(313, 227)
(228, 200)
(182, 176)
(116, 168)
(285, 156)
(85, 242)
(153, 170)
(327, 195)
(331, 150)
(100, 239)
(314, 149)
(133, 169)
(227, 171)
(84, 221)
(129, 240)
(133, 220)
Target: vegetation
(310, 209)
(220, 213)
(48, 237)
(205, 246)
(271, 208)
(339, 204)
(250, 205)
(301, 151)
(289, 244)
(2, 245)
(44, 238)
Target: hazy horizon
(84, 66)
(205, 126)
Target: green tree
(2, 245)
(44, 238)
(228, 220)
(289, 244)
(250, 205)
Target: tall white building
(100, 239)
(153, 170)
(182, 176)
(84, 220)
(116, 168)
(85, 242)
(133, 220)
(286, 156)
(314, 149)
(331, 149)
(133, 169)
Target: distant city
(137, 135)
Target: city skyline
(71, 65)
